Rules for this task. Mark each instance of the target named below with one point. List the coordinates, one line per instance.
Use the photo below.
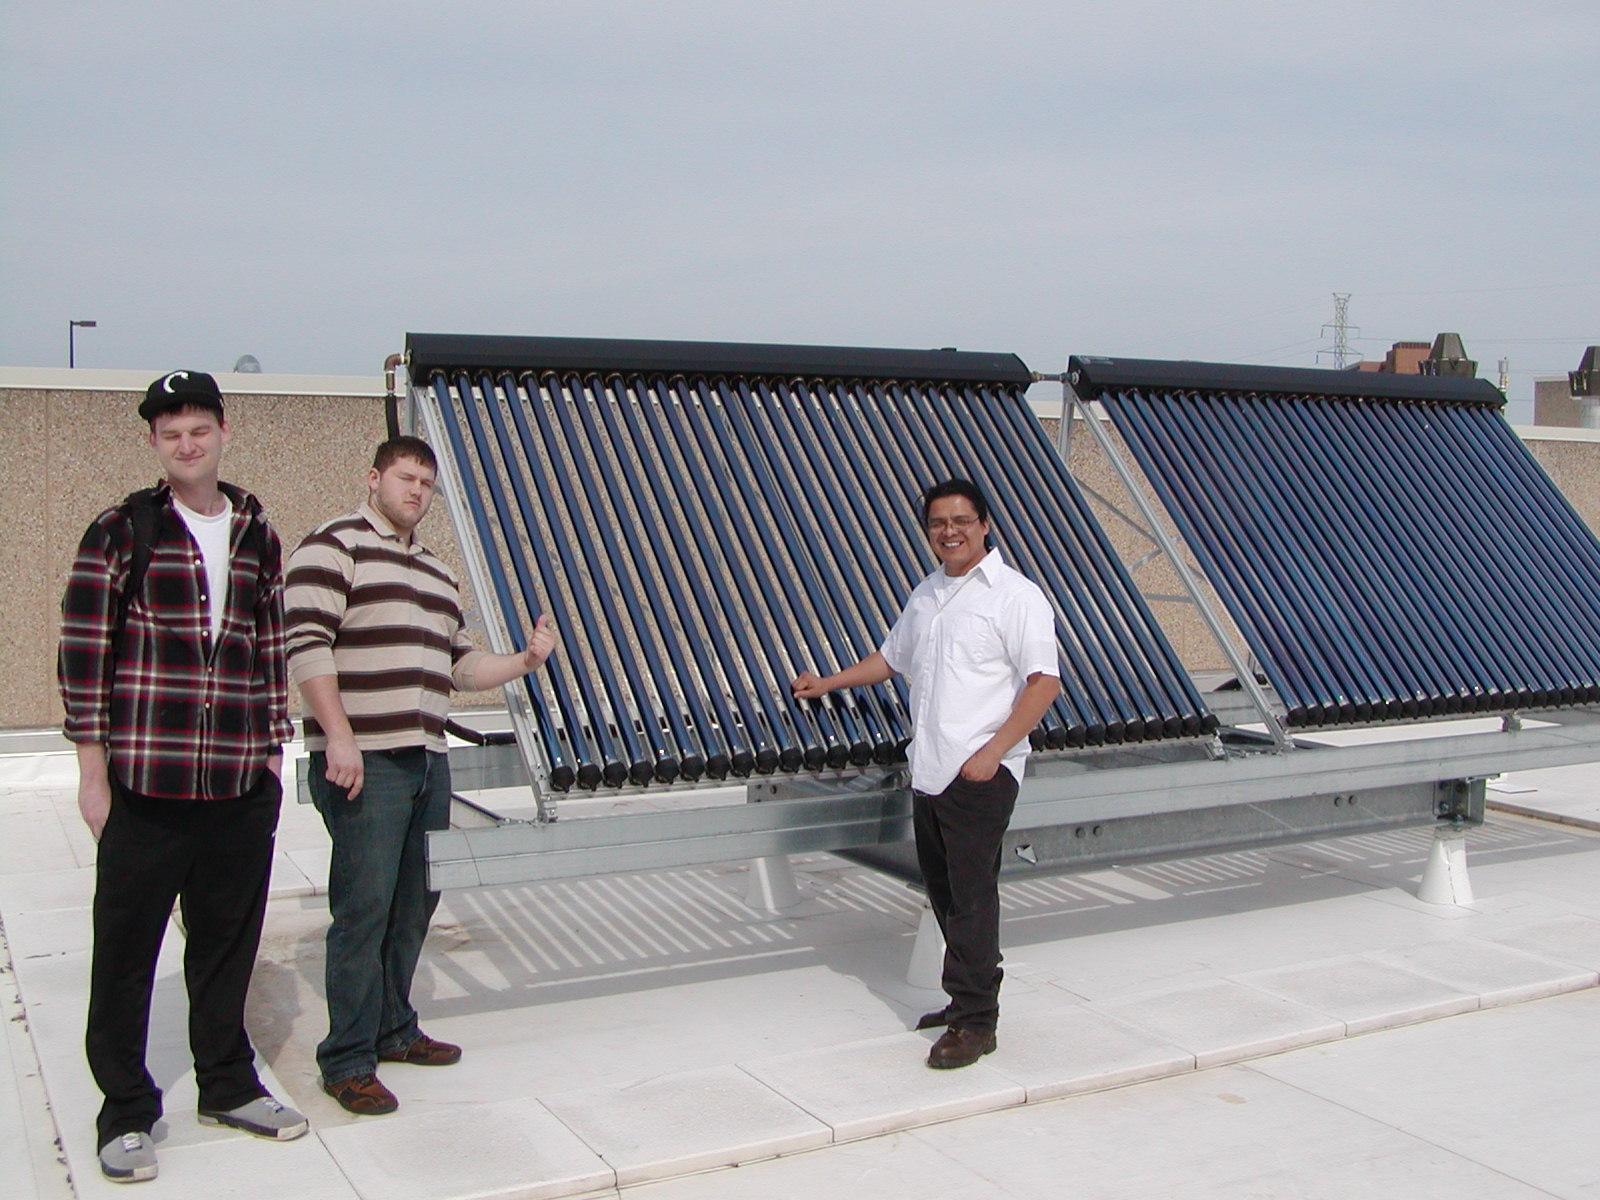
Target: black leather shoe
(959, 1047)
(934, 1020)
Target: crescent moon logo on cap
(166, 384)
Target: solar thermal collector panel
(1386, 545)
(704, 520)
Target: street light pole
(72, 328)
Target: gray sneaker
(129, 1159)
(263, 1116)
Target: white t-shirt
(211, 535)
(967, 646)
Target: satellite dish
(247, 365)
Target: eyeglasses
(957, 523)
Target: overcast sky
(309, 182)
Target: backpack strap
(143, 510)
(255, 538)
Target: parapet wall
(75, 445)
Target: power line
(1505, 341)
(1286, 346)
(1531, 287)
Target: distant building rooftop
(1445, 355)
(1404, 358)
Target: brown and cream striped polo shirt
(385, 617)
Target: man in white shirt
(977, 643)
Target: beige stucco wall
(1153, 573)
(71, 451)
(1555, 405)
(1572, 459)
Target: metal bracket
(1461, 801)
(847, 782)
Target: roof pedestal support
(926, 968)
(1444, 879)
(772, 887)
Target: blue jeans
(379, 898)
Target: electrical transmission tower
(1342, 329)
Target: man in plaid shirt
(178, 718)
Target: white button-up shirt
(967, 646)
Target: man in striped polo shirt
(375, 643)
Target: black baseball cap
(181, 389)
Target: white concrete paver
(867, 1088)
(512, 1149)
(674, 1124)
(1075, 1049)
(1495, 974)
(1515, 1089)
(312, 866)
(33, 839)
(898, 1166)
(289, 880)
(45, 891)
(1228, 933)
(1224, 1021)
(1364, 993)
(47, 932)
(28, 1156)
(238, 1166)
(1349, 1120)
(1574, 940)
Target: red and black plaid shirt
(181, 718)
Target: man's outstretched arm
(874, 668)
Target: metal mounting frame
(1236, 661)
(425, 406)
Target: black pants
(958, 848)
(216, 857)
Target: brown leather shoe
(934, 1020)
(959, 1047)
(362, 1095)
(424, 1052)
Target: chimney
(1586, 379)
(1449, 357)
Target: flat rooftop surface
(1286, 1022)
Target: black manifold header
(1091, 376)
(429, 352)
